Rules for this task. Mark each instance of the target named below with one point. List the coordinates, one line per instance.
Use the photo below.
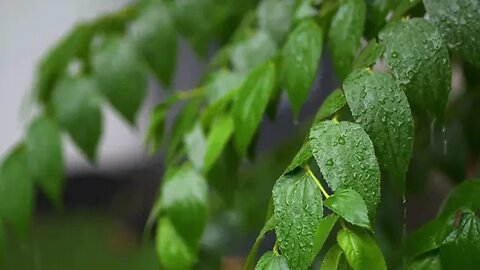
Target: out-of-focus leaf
(2, 243)
(369, 55)
(196, 145)
(77, 107)
(348, 204)
(252, 256)
(331, 105)
(174, 253)
(360, 250)
(464, 196)
(275, 18)
(156, 128)
(324, 228)
(252, 51)
(222, 83)
(120, 76)
(44, 157)
(332, 259)
(220, 132)
(271, 261)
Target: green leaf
(275, 18)
(427, 262)
(156, 128)
(252, 256)
(270, 261)
(2, 243)
(120, 76)
(222, 83)
(457, 22)
(416, 53)
(301, 55)
(360, 250)
(174, 253)
(332, 259)
(331, 105)
(220, 133)
(378, 104)
(461, 248)
(252, 51)
(44, 157)
(77, 107)
(369, 55)
(346, 158)
(375, 18)
(251, 102)
(155, 38)
(298, 210)
(323, 231)
(303, 156)
(465, 195)
(16, 190)
(184, 196)
(196, 145)
(402, 7)
(429, 237)
(348, 204)
(344, 35)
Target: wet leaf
(270, 261)
(300, 56)
(331, 105)
(360, 250)
(172, 250)
(381, 107)
(220, 132)
(298, 210)
(346, 158)
(344, 35)
(416, 53)
(348, 204)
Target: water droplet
(329, 162)
(394, 55)
(341, 140)
(444, 140)
(432, 132)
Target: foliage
(267, 47)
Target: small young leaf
(218, 137)
(120, 76)
(275, 18)
(332, 259)
(344, 36)
(378, 104)
(252, 256)
(16, 190)
(271, 261)
(346, 158)
(348, 204)
(457, 22)
(155, 38)
(465, 195)
(222, 83)
(301, 158)
(77, 107)
(44, 157)
(324, 228)
(416, 53)
(252, 51)
(301, 55)
(360, 250)
(331, 105)
(429, 237)
(196, 145)
(461, 248)
(369, 55)
(298, 210)
(156, 128)
(251, 102)
(172, 250)
(184, 196)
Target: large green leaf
(360, 250)
(348, 204)
(196, 145)
(251, 102)
(252, 51)
(120, 76)
(344, 35)
(331, 105)
(324, 228)
(461, 248)
(77, 107)
(466, 195)
(44, 156)
(16, 190)
(346, 158)
(302, 158)
(275, 18)
(298, 210)
(220, 132)
(369, 55)
(333, 258)
(301, 55)
(174, 253)
(155, 38)
(252, 256)
(416, 53)
(429, 237)
(457, 21)
(378, 104)
(271, 261)
(184, 196)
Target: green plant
(267, 47)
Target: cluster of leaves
(276, 45)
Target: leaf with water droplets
(458, 23)
(298, 210)
(333, 258)
(344, 35)
(331, 105)
(466, 195)
(378, 104)
(346, 158)
(360, 249)
(461, 248)
(172, 250)
(301, 158)
(369, 55)
(301, 54)
(271, 261)
(416, 53)
(348, 204)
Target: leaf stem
(195, 92)
(275, 248)
(310, 173)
